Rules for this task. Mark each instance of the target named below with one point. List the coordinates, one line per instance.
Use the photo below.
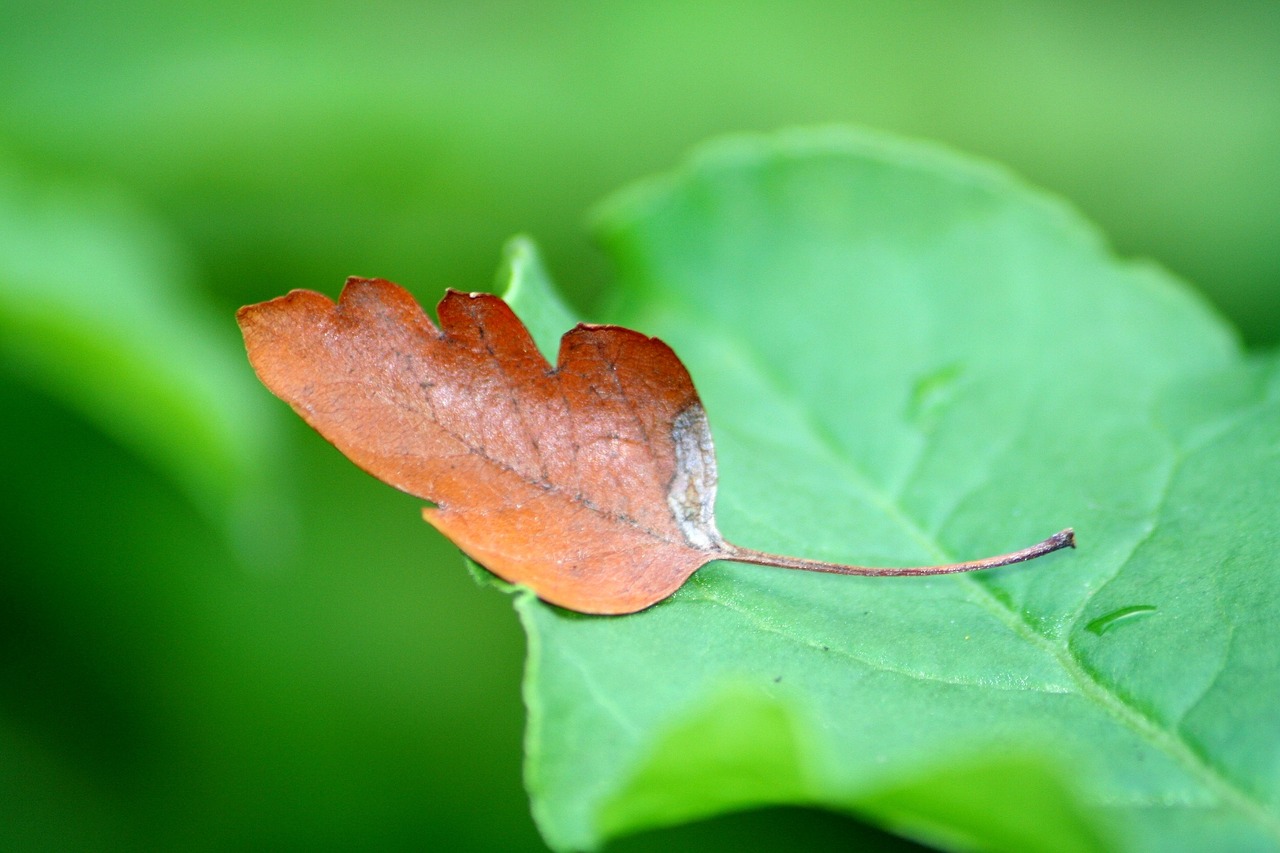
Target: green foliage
(342, 684)
(910, 358)
(293, 143)
(97, 309)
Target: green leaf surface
(97, 310)
(907, 357)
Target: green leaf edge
(610, 215)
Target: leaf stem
(1062, 539)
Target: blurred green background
(217, 633)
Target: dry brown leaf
(591, 482)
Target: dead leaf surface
(591, 482)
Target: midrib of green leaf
(1090, 686)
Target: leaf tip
(454, 297)
(357, 287)
(248, 316)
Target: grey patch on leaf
(692, 494)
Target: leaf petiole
(1062, 539)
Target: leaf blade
(897, 294)
(572, 480)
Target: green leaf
(524, 284)
(907, 357)
(97, 310)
